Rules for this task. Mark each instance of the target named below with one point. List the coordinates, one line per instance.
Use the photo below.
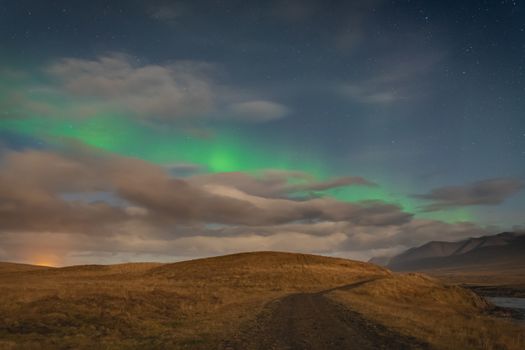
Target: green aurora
(224, 151)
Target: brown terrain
(263, 300)
(315, 321)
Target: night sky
(167, 130)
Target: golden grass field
(509, 277)
(445, 316)
(197, 304)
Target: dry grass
(514, 278)
(194, 304)
(187, 305)
(13, 267)
(447, 317)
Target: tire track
(311, 321)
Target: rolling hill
(6, 267)
(242, 301)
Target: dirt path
(308, 321)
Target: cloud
(280, 211)
(32, 183)
(259, 110)
(370, 93)
(177, 90)
(156, 216)
(277, 183)
(364, 243)
(330, 184)
(486, 192)
(122, 84)
(136, 241)
(183, 169)
(395, 78)
(359, 22)
(410, 234)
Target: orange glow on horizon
(48, 260)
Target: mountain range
(506, 249)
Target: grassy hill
(6, 267)
(198, 304)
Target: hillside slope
(7, 267)
(228, 302)
(189, 304)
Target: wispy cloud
(486, 192)
(119, 83)
(277, 183)
(394, 78)
(259, 110)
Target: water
(517, 304)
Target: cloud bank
(81, 202)
(486, 192)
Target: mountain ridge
(503, 248)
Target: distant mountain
(507, 248)
(380, 260)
